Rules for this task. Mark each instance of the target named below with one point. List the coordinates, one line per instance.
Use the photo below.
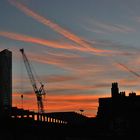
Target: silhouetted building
(120, 114)
(5, 81)
(69, 117)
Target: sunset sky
(76, 47)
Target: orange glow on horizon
(59, 103)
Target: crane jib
(38, 91)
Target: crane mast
(39, 92)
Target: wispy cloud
(129, 82)
(114, 27)
(72, 88)
(44, 42)
(91, 29)
(105, 28)
(59, 78)
(26, 38)
(59, 29)
(68, 63)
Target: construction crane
(39, 92)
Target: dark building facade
(5, 80)
(119, 113)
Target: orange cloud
(49, 78)
(63, 88)
(60, 86)
(128, 82)
(67, 34)
(60, 78)
(44, 42)
(72, 63)
(30, 39)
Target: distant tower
(114, 90)
(5, 81)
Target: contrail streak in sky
(26, 38)
(44, 42)
(133, 72)
(67, 34)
